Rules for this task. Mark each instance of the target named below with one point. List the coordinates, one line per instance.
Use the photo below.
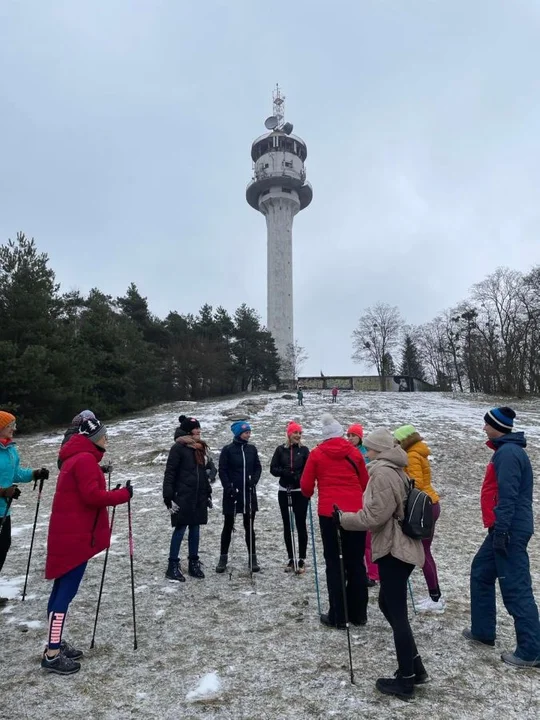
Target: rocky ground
(262, 639)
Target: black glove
(209, 503)
(12, 492)
(168, 503)
(336, 516)
(500, 543)
(106, 468)
(231, 492)
(129, 488)
(251, 482)
(41, 474)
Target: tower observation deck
(279, 190)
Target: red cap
(356, 429)
(293, 427)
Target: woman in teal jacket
(10, 474)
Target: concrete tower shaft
(279, 190)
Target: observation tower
(279, 190)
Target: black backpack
(418, 508)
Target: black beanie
(188, 423)
(501, 419)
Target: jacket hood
(419, 446)
(5, 445)
(79, 444)
(515, 438)
(337, 448)
(396, 457)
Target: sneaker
(429, 605)
(254, 564)
(474, 638)
(420, 673)
(325, 620)
(512, 659)
(289, 567)
(195, 569)
(60, 664)
(399, 686)
(301, 569)
(222, 563)
(174, 572)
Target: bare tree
(377, 334)
(295, 359)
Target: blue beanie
(501, 419)
(239, 427)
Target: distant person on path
(419, 469)
(300, 396)
(394, 552)
(288, 464)
(506, 500)
(340, 474)
(11, 474)
(355, 434)
(334, 394)
(187, 493)
(239, 472)
(78, 530)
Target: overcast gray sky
(127, 127)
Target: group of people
(362, 484)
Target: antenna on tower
(279, 105)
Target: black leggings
(228, 526)
(393, 574)
(300, 506)
(5, 540)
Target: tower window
(288, 164)
(286, 190)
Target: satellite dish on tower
(271, 123)
(287, 128)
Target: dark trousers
(354, 545)
(514, 575)
(299, 506)
(5, 540)
(393, 574)
(228, 526)
(63, 591)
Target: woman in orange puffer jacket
(419, 470)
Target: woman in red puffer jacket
(78, 530)
(341, 476)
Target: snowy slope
(271, 657)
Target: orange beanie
(5, 419)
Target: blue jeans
(514, 576)
(193, 541)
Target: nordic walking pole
(344, 591)
(291, 527)
(103, 574)
(314, 558)
(250, 534)
(231, 544)
(412, 596)
(40, 490)
(109, 478)
(130, 533)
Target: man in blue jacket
(506, 500)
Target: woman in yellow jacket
(419, 470)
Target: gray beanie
(380, 440)
(330, 427)
(93, 429)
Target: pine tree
(411, 364)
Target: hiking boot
(222, 563)
(60, 664)
(69, 651)
(195, 569)
(325, 620)
(358, 621)
(474, 638)
(512, 659)
(401, 687)
(289, 567)
(174, 572)
(301, 568)
(420, 673)
(254, 564)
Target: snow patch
(11, 589)
(209, 688)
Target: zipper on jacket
(244, 476)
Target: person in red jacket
(78, 530)
(341, 476)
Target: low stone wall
(396, 383)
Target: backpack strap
(349, 459)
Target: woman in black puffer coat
(288, 464)
(187, 493)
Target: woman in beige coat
(395, 553)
